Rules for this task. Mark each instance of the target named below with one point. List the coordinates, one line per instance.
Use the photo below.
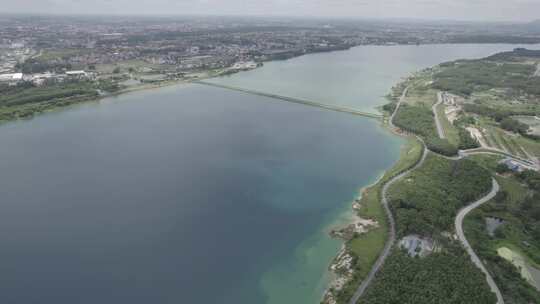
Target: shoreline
(168, 83)
(341, 279)
(385, 125)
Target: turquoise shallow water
(192, 194)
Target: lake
(195, 194)
(358, 78)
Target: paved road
(392, 234)
(440, 129)
(458, 222)
(459, 230)
(400, 101)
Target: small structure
(514, 165)
(492, 223)
(417, 245)
(11, 78)
(244, 66)
(79, 73)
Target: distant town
(45, 50)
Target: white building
(13, 77)
(76, 73)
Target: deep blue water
(186, 194)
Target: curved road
(392, 233)
(392, 237)
(458, 222)
(459, 231)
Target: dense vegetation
(365, 248)
(416, 119)
(515, 55)
(514, 125)
(498, 114)
(465, 140)
(32, 66)
(427, 201)
(466, 77)
(445, 277)
(518, 204)
(420, 120)
(389, 107)
(25, 99)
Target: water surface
(357, 78)
(187, 194)
(193, 194)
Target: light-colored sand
(476, 134)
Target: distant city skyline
(466, 10)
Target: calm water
(192, 194)
(186, 194)
(359, 77)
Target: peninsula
(472, 149)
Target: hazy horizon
(435, 10)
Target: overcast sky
(486, 10)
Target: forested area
(465, 140)
(32, 66)
(25, 99)
(465, 77)
(515, 55)
(497, 114)
(514, 125)
(518, 206)
(426, 201)
(420, 120)
(446, 277)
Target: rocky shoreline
(343, 263)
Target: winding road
(458, 221)
(459, 231)
(392, 233)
